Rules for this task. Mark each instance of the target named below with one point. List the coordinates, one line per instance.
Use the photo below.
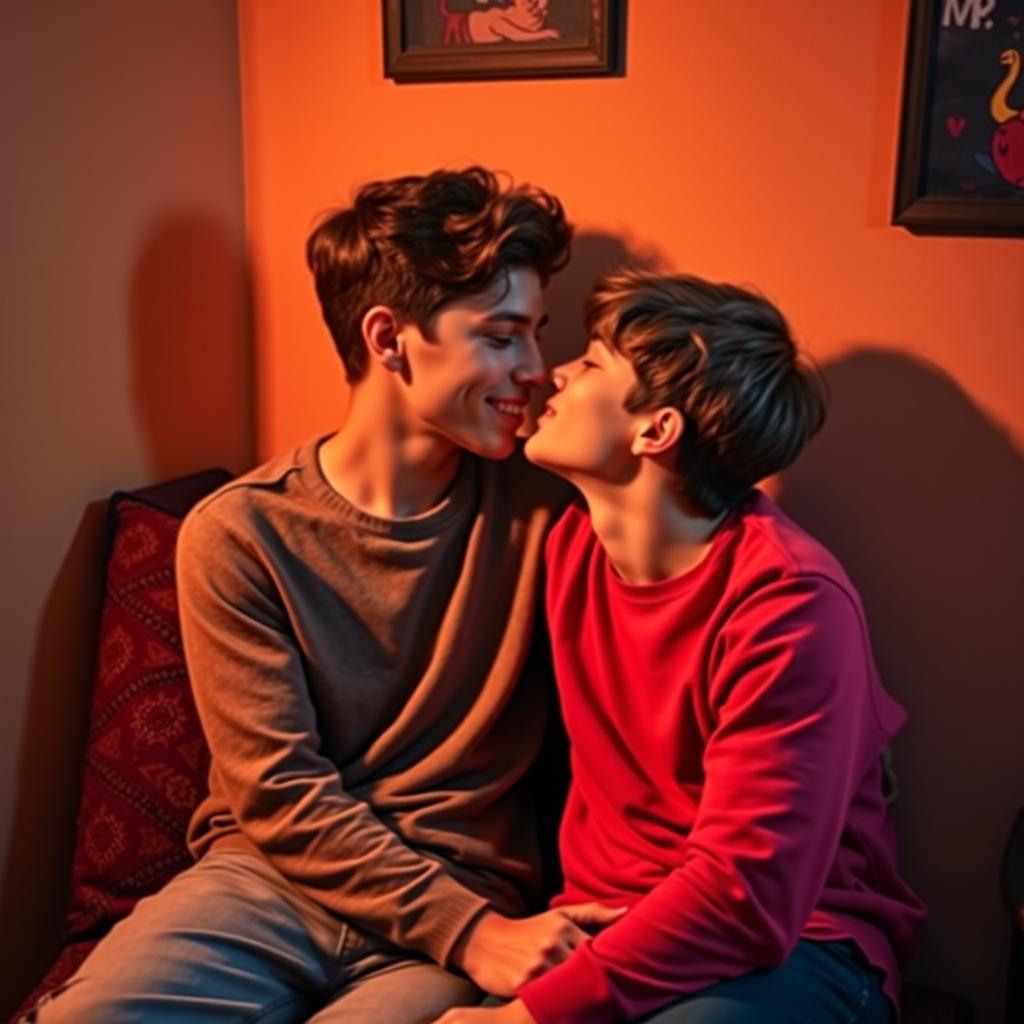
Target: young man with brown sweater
(357, 615)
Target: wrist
(471, 931)
(516, 1012)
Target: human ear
(658, 431)
(382, 333)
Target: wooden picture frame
(463, 40)
(959, 162)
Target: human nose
(530, 370)
(559, 376)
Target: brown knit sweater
(358, 680)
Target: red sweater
(726, 730)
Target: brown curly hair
(419, 242)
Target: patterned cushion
(146, 759)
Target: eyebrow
(511, 316)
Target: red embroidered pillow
(146, 760)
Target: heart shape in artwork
(968, 185)
(956, 125)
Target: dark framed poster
(961, 164)
(453, 40)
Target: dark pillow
(146, 759)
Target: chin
(496, 449)
(534, 451)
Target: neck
(649, 534)
(381, 464)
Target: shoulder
(239, 511)
(248, 489)
(794, 623)
(771, 551)
(782, 585)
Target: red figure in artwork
(456, 29)
(481, 21)
(520, 21)
(1008, 139)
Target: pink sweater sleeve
(789, 694)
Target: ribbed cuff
(450, 915)
(575, 992)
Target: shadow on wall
(192, 366)
(192, 392)
(563, 337)
(35, 885)
(592, 254)
(920, 496)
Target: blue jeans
(820, 983)
(229, 941)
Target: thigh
(820, 983)
(400, 992)
(226, 940)
(379, 981)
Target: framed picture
(961, 163)
(452, 40)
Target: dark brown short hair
(724, 357)
(417, 243)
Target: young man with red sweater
(726, 720)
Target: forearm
(698, 927)
(793, 735)
(269, 769)
(336, 850)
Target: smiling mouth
(508, 407)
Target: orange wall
(755, 143)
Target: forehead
(603, 346)
(613, 358)
(517, 290)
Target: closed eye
(589, 364)
(501, 340)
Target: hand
(511, 1013)
(500, 953)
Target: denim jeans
(230, 940)
(820, 983)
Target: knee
(74, 1002)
